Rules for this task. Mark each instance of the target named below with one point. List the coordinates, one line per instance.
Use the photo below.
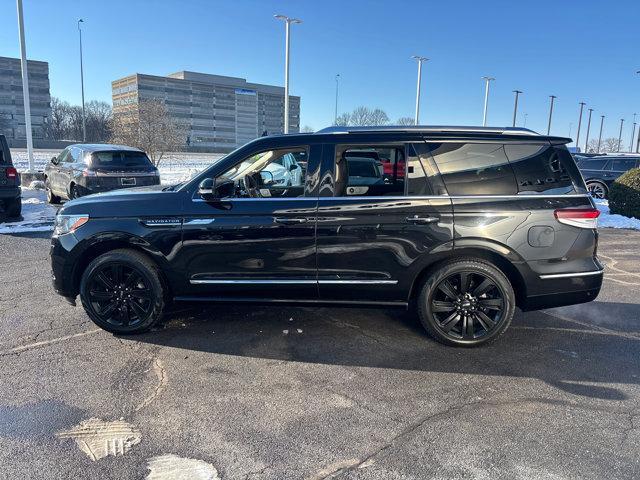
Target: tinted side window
(623, 164)
(593, 164)
(368, 170)
(422, 174)
(541, 168)
(474, 168)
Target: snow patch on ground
(98, 438)
(173, 467)
(609, 220)
(37, 214)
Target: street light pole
(84, 124)
(586, 140)
(582, 104)
(486, 99)
(515, 106)
(419, 59)
(620, 134)
(335, 119)
(25, 87)
(552, 97)
(600, 136)
(633, 133)
(288, 21)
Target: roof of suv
(100, 147)
(438, 130)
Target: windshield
(120, 159)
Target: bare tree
(363, 116)
(306, 129)
(405, 121)
(610, 144)
(98, 121)
(343, 120)
(148, 127)
(58, 124)
(592, 146)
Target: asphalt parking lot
(249, 392)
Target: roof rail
(430, 129)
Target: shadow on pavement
(569, 356)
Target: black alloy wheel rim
(596, 190)
(120, 295)
(468, 305)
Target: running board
(346, 303)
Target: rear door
(377, 231)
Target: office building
(218, 113)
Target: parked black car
(84, 169)
(482, 221)
(10, 198)
(600, 171)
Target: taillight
(11, 172)
(578, 217)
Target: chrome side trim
(405, 198)
(569, 275)
(251, 282)
(291, 282)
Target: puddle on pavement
(98, 438)
(172, 467)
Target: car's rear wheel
(122, 292)
(597, 189)
(466, 303)
(13, 207)
(51, 198)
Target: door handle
(416, 220)
(289, 221)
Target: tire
(128, 302)
(51, 198)
(13, 207)
(597, 189)
(74, 192)
(468, 316)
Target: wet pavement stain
(172, 467)
(98, 438)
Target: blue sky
(578, 50)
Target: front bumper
(63, 261)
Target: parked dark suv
(600, 171)
(483, 220)
(10, 199)
(84, 169)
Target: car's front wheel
(51, 198)
(122, 292)
(466, 303)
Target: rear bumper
(565, 289)
(99, 184)
(9, 193)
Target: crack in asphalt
(161, 375)
(369, 459)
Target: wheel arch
(501, 258)
(95, 249)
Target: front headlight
(68, 223)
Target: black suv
(10, 200)
(600, 171)
(84, 169)
(479, 221)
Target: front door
(381, 220)
(258, 240)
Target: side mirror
(293, 167)
(54, 160)
(207, 189)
